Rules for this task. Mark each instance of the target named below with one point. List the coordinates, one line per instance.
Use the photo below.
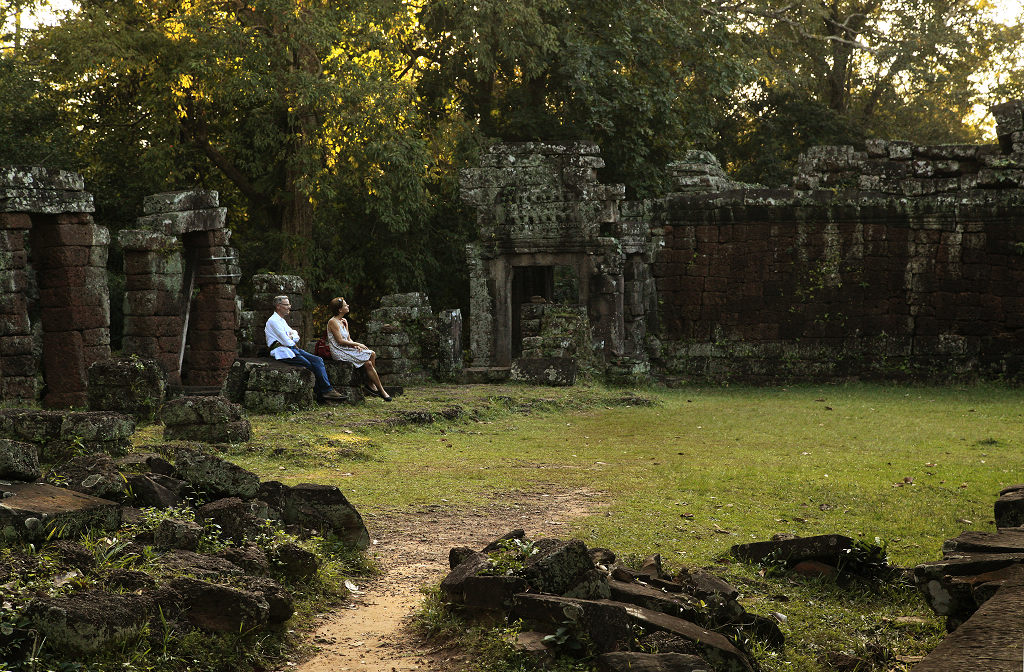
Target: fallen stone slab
(948, 585)
(220, 608)
(211, 419)
(318, 507)
(611, 625)
(633, 661)
(827, 548)
(655, 599)
(1002, 541)
(19, 461)
(555, 566)
(89, 620)
(96, 474)
(990, 640)
(33, 511)
(213, 477)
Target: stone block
(152, 326)
(55, 235)
(19, 461)
(214, 477)
(89, 620)
(554, 371)
(219, 608)
(18, 365)
(827, 548)
(131, 385)
(1009, 509)
(75, 276)
(275, 285)
(179, 201)
(319, 507)
(152, 302)
(178, 223)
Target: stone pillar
(481, 307)
(212, 341)
(153, 322)
(70, 254)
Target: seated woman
(344, 349)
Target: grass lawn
(698, 471)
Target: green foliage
(510, 558)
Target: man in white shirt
(283, 343)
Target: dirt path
(371, 633)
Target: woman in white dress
(344, 349)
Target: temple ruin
(897, 261)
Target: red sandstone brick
(19, 387)
(223, 340)
(13, 304)
(152, 326)
(143, 346)
(72, 276)
(57, 399)
(15, 220)
(79, 317)
(707, 234)
(95, 353)
(58, 257)
(219, 291)
(59, 235)
(14, 325)
(12, 241)
(94, 337)
(13, 281)
(211, 304)
(18, 365)
(207, 360)
(60, 297)
(212, 321)
(205, 378)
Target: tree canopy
(335, 129)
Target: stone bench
(264, 385)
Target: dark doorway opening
(530, 284)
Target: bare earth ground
(372, 632)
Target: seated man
(282, 341)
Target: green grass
(703, 469)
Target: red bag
(321, 349)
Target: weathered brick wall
(900, 260)
(776, 291)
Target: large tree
(286, 105)
(838, 71)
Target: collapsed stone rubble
(216, 563)
(978, 586)
(571, 598)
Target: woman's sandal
(371, 391)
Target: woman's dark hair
(335, 304)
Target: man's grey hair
(278, 300)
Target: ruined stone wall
(900, 260)
(54, 302)
(541, 209)
(414, 345)
(180, 280)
